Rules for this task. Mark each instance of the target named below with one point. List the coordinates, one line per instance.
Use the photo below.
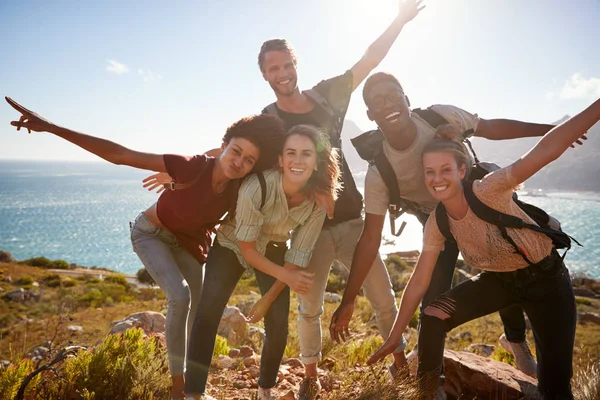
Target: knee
(442, 308)
(180, 300)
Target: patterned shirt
(481, 243)
(273, 223)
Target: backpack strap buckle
(396, 212)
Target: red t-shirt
(192, 213)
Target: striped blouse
(273, 223)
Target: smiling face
(279, 69)
(388, 106)
(443, 176)
(299, 159)
(238, 158)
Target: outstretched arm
(500, 129)
(380, 47)
(555, 142)
(364, 255)
(412, 296)
(110, 151)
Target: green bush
(583, 301)
(143, 276)
(11, 378)
(69, 282)
(335, 283)
(221, 346)
(51, 280)
(117, 279)
(395, 262)
(124, 366)
(25, 280)
(37, 262)
(58, 264)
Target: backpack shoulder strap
(271, 109)
(263, 188)
(396, 206)
(442, 222)
(319, 99)
(433, 118)
(368, 144)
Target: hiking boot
(523, 358)
(309, 388)
(266, 394)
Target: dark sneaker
(309, 388)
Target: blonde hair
(326, 179)
(448, 138)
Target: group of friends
(281, 177)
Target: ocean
(80, 212)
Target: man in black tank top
(325, 106)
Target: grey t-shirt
(408, 166)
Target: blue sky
(171, 76)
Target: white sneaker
(523, 357)
(266, 394)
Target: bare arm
(364, 255)
(500, 129)
(109, 151)
(555, 142)
(408, 9)
(412, 296)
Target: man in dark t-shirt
(325, 106)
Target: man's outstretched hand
(409, 9)
(28, 120)
(340, 322)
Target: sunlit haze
(170, 77)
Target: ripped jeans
(544, 291)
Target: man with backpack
(325, 106)
(394, 183)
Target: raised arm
(412, 296)
(364, 255)
(555, 142)
(408, 9)
(109, 151)
(500, 129)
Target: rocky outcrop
(589, 317)
(469, 375)
(233, 326)
(150, 322)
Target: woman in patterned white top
(256, 238)
(538, 279)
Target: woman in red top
(172, 236)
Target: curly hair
(326, 179)
(375, 79)
(448, 138)
(275, 45)
(266, 132)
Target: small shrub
(69, 282)
(118, 279)
(6, 257)
(143, 276)
(502, 355)
(395, 262)
(25, 280)
(221, 346)
(335, 283)
(11, 378)
(586, 382)
(58, 264)
(583, 301)
(37, 262)
(51, 280)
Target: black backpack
(546, 224)
(369, 147)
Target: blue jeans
(223, 271)
(178, 274)
(544, 291)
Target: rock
(332, 297)
(250, 361)
(4, 364)
(294, 363)
(16, 295)
(288, 396)
(471, 376)
(35, 284)
(328, 364)
(484, 350)
(233, 325)
(40, 351)
(7, 279)
(589, 317)
(465, 336)
(6, 257)
(234, 353)
(75, 329)
(256, 334)
(246, 351)
(254, 371)
(584, 292)
(148, 321)
(223, 362)
(241, 384)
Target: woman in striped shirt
(267, 215)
